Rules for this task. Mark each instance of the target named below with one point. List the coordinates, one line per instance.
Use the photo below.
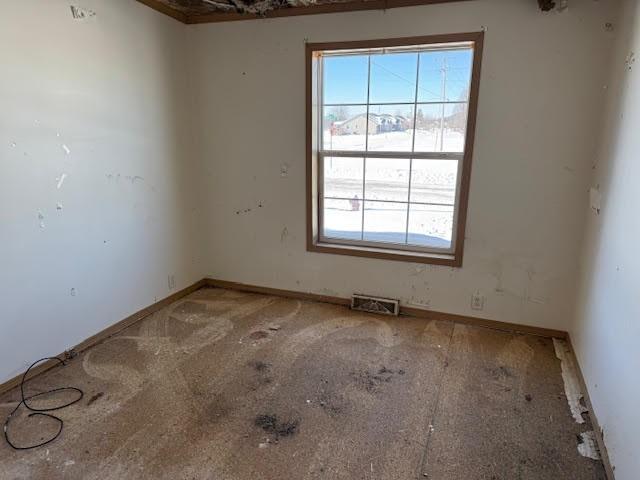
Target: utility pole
(444, 97)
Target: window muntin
(392, 181)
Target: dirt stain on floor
(258, 335)
(259, 366)
(276, 427)
(94, 398)
(372, 381)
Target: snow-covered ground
(426, 141)
(387, 180)
(429, 226)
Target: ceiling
(207, 11)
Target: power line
(410, 82)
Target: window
(390, 128)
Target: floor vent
(384, 306)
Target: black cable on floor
(38, 411)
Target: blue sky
(393, 77)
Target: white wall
(540, 100)
(129, 91)
(112, 88)
(606, 330)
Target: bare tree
(339, 113)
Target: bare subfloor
(228, 385)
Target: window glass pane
(385, 222)
(387, 179)
(343, 219)
(371, 103)
(390, 128)
(430, 225)
(345, 79)
(441, 127)
(343, 177)
(393, 78)
(344, 128)
(445, 75)
(434, 181)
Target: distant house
(378, 123)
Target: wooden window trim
(313, 244)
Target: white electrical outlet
(477, 301)
(171, 281)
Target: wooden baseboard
(243, 287)
(104, 334)
(482, 322)
(592, 415)
(411, 311)
(210, 282)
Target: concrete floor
(228, 385)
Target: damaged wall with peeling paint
(95, 186)
(606, 329)
(540, 100)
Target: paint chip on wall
(79, 13)
(595, 199)
(60, 180)
(630, 60)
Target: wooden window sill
(450, 260)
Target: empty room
(319, 239)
